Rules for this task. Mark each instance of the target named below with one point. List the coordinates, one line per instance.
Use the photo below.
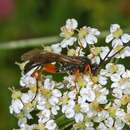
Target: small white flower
(55, 109)
(88, 93)
(70, 80)
(84, 107)
(113, 70)
(116, 36)
(79, 52)
(49, 84)
(27, 97)
(71, 24)
(101, 116)
(56, 48)
(51, 125)
(72, 95)
(128, 108)
(44, 116)
(68, 30)
(109, 122)
(69, 113)
(126, 74)
(119, 124)
(89, 126)
(125, 38)
(102, 126)
(87, 35)
(117, 92)
(68, 42)
(41, 99)
(120, 114)
(102, 80)
(79, 117)
(16, 106)
(22, 122)
(98, 53)
(27, 80)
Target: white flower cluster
(82, 101)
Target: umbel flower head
(76, 84)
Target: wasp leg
(87, 69)
(76, 73)
(37, 76)
(37, 87)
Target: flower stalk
(92, 91)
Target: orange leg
(77, 74)
(49, 68)
(88, 69)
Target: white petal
(102, 126)
(117, 93)
(91, 39)
(125, 38)
(54, 110)
(102, 99)
(119, 124)
(114, 27)
(27, 97)
(95, 31)
(90, 95)
(79, 117)
(69, 113)
(51, 125)
(84, 107)
(17, 106)
(128, 108)
(82, 42)
(116, 42)
(56, 48)
(102, 80)
(56, 93)
(109, 122)
(71, 23)
(115, 77)
(109, 38)
(53, 100)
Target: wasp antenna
(104, 61)
(37, 87)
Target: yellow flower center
(77, 108)
(128, 117)
(71, 52)
(67, 33)
(40, 127)
(80, 125)
(113, 68)
(112, 111)
(48, 105)
(16, 94)
(64, 100)
(113, 128)
(47, 93)
(81, 82)
(95, 50)
(125, 99)
(95, 106)
(118, 33)
(82, 32)
(94, 79)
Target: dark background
(23, 19)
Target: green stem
(34, 42)
(67, 125)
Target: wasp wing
(39, 57)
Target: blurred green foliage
(39, 18)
